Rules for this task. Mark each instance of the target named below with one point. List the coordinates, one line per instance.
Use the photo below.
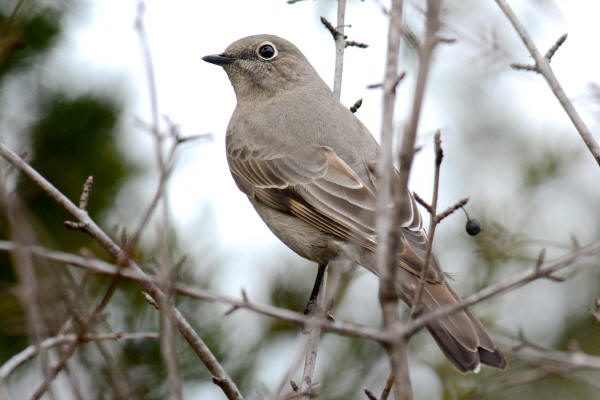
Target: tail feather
(461, 337)
(463, 359)
(458, 324)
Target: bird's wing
(322, 190)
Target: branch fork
(548, 56)
(83, 202)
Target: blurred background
(73, 89)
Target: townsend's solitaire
(306, 164)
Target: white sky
(197, 95)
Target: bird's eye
(267, 51)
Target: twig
(147, 58)
(508, 284)
(433, 221)
(352, 43)
(395, 82)
(314, 331)
(85, 326)
(85, 193)
(334, 32)
(542, 65)
(29, 285)
(387, 388)
(312, 343)
(340, 45)
(387, 217)
(459, 204)
(540, 260)
(422, 202)
(102, 267)
(168, 349)
(31, 351)
(114, 250)
(559, 42)
(19, 230)
(370, 394)
(574, 359)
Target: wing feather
(322, 190)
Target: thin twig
(459, 204)
(85, 193)
(102, 267)
(353, 43)
(510, 283)
(312, 343)
(370, 394)
(19, 231)
(559, 42)
(167, 342)
(387, 388)
(422, 202)
(117, 252)
(395, 82)
(387, 217)
(543, 67)
(433, 221)
(31, 351)
(314, 331)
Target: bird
(306, 164)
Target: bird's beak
(218, 59)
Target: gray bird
(306, 164)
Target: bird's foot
(312, 310)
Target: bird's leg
(312, 301)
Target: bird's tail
(460, 336)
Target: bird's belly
(304, 239)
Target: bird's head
(263, 65)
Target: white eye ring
(265, 49)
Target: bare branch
(114, 250)
(387, 217)
(370, 395)
(460, 204)
(422, 202)
(508, 284)
(314, 331)
(542, 65)
(352, 43)
(395, 82)
(330, 28)
(433, 221)
(387, 388)
(102, 267)
(31, 351)
(85, 193)
(540, 260)
(559, 42)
